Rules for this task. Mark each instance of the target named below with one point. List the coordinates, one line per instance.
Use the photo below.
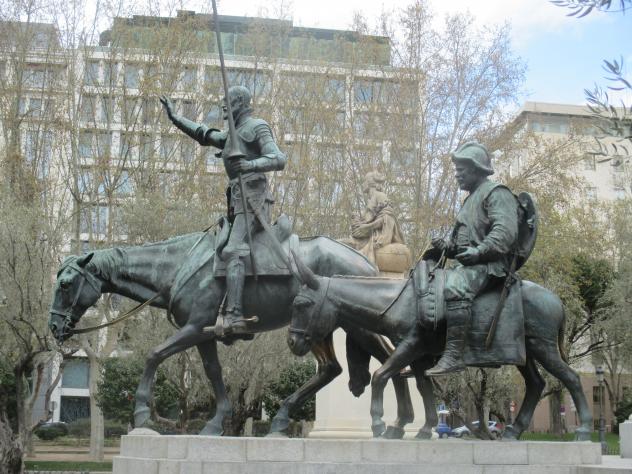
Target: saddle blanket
(267, 259)
(508, 345)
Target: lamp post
(602, 422)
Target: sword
(501, 301)
(234, 152)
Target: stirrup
(221, 329)
(443, 368)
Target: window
(189, 77)
(37, 151)
(335, 90)
(213, 80)
(74, 408)
(149, 111)
(146, 147)
(189, 110)
(3, 70)
(619, 193)
(167, 147)
(124, 184)
(366, 91)
(91, 76)
(214, 117)
(107, 109)
(35, 108)
(110, 73)
(228, 42)
(88, 108)
(85, 144)
(75, 374)
(34, 76)
(103, 143)
(130, 111)
(126, 145)
(187, 148)
(94, 220)
(132, 76)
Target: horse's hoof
(211, 429)
(393, 432)
(378, 430)
(141, 416)
(423, 434)
(277, 434)
(582, 434)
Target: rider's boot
(234, 321)
(457, 319)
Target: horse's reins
(86, 277)
(305, 333)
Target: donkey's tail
(560, 338)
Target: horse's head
(312, 317)
(76, 289)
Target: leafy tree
(116, 389)
(289, 380)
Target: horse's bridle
(87, 277)
(305, 333)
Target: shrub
(51, 431)
(114, 429)
(80, 428)
(290, 379)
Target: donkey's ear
(85, 259)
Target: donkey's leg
(548, 354)
(186, 337)
(328, 369)
(213, 369)
(404, 354)
(377, 347)
(425, 387)
(534, 384)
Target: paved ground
(68, 453)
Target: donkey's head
(313, 316)
(76, 289)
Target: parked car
(494, 427)
(443, 430)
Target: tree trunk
(97, 430)
(555, 408)
(10, 449)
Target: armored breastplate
(248, 143)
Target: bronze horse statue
(179, 273)
(385, 307)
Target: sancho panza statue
(261, 155)
(482, 241)
(377, 227)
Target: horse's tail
(560, 338)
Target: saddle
(508, 346)
(267, 260)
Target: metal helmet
(475, 153)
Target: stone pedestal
(625, 438)
(209, 455)
(340, 415)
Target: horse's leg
(213, 369)
(377, 347)
(424, 385)
(534, 384)
(403, 355)
(328, 369)
(186, 337)
(548, 354)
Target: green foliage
(593, 275)
(80, 428)
(624, 409)
(8, 401)
(117, 388)
(52, 431)
(290, 379)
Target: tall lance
(234, 153)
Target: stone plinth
(341, 415)
(625, 438)
(210, 455)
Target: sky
(564, 55)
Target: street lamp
(602, 422)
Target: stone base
(210, 455)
